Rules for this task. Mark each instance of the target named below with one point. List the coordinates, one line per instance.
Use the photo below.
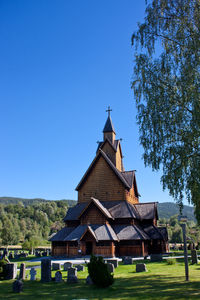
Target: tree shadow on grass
(140, 287)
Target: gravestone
(56, 266)
(114, 262)
(194, 257)
(11, 256)
(156, 257)
(89, 280)
(141, 268)
(80, 268)
(17, 286)
(46, 270)
(67, 265)
(32, 273)
(22, 272)
(110, 267)
(72, 275)
(58, 276)
(128, 261)
(10, 271)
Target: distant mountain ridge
(26, 202)
(169, 209)
(165, 209)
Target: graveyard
(160, 279)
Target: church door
(89, 246)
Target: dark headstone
(11, 256)
(80, 268)
(10, 271)
(22, 272)
(194, 257)
(72, 279)
(156, 257)
(72, 275)
(23, 255)
(110, 267)
(46, 270)
(113, 261)
(17, 286)
(67, 265)
(32, 273)
(128, 261)
(141, 268)
(56, 266)
(89, 280)
(72, 272)
(58, 276)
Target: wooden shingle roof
(153, 232)
(107, 232)
(130, 232)
(61, 234)
(117, 210)
(147, 211)
(98, 204)
(109, 125)
(100, 233)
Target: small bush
(171, 261)
(98, 272)
(3, 262)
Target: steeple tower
(108, 130)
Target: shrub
(3, 262)
(98, 272)
(171, 261)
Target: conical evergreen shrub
(98, 272)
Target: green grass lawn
(161, 281)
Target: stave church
(108, 219)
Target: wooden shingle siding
(130, 196)
(119, 160)
(93, 216)
(72, 251)
(102, 183)
(110, 152)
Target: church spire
(109, 131)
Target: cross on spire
(108, 110)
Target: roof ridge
(146, 203)
(118, 173)
(137, 211)
(127, 204)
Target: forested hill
(169, 209)
(26, 202)
(165, 210)
(32, 221)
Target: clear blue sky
(61, 64)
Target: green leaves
(166, 86)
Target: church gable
(94, 213)
(89, 235)
(102, 182)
